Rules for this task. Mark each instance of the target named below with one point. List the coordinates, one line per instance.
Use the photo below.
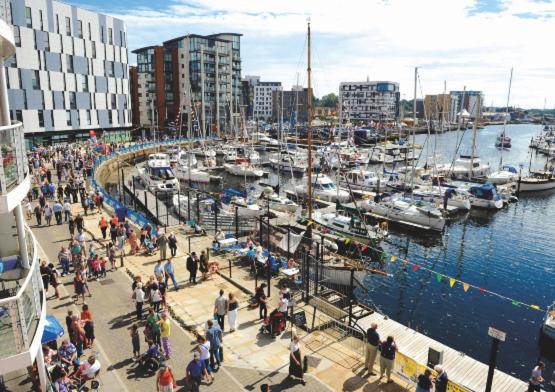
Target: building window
(102, 34)
(93, 44)
(113, 98)
(47, 42)
(57, 23)
(110, 117)
(41, 118)
(72, 100)
(69, 62)
(35, 79)
(19, 115)
(51, 115)
(85, 83)
(110, 36)
(17, 36)
(68, 26)
(28, 17)
(68, 118)
(80, 28)
(89, 122)
(90, 34)
(41, 20)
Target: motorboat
(548, 326)
(438, 196)
(406, 212)
(205, 152)
(466, 168)
(186, 158)
(348, 227)
(536, 181)
(378, 154)
(483, 195)
(253, 156)
(360, 179)
(245, 207)
(325, 189)
(173, 153)
(504, 175)
(157, 174)
(288, 163)
(282, 204)
(185, 173)
(243, 168)
(230, 153)
(502, 140)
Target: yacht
(157, 174)
(467, 168)
(173, 153)
(548, 326)
(505, 175)
(348, 227)
(185, 173)
(242, 168)
(406, 213)
(359, 179)
(537, 181)
(482, 195)
(378, 154)
(282, 204)
(502, 140)
(288, 163)
(437, 195)
(324, 188)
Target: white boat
(245, 208)
(282, 204)
(378, 154)
(466, 168)
(505, 175)
(157, 174)
(325, 189)
(437, 195)
(348, 227)
(482, 195)
(186, 158)
(243, 168)
(230, 153)
(548, 326)
(253, 156)
(205, 152)
(195, 175)
(406, 213)
(536, 181)
(173, 153)
(360, 179)
(502, 140)
(288, 163)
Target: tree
(329, 100)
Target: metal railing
(12, 156)
(20, 313)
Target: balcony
(14, 182)
(22, 309)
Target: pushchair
(274, 325)
(149, 247)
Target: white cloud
(380, 39)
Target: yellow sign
(452, 387)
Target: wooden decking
(461, 368)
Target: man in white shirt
(67, 210)
(220, 309)
(536, 378)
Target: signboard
(453, 387)
(299, 318)
(497, 334)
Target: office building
(438, 107)
(369, 101)
(467, 100)
(188, 82)
(22, 298)
(69, 73)
(291, 105)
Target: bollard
(229, 268)
(189, 241)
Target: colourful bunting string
(363, 248)
(515, 303)
(415, 267)
(393, 259)
(439, 277)
(535, 307)
(452, 282)
(481, 290)
(466, 286)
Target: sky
(472, 43)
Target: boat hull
(534, 186)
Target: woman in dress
(232, 306)
(295, 360)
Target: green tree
(329, 100)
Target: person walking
(153, 322)
(79, 222)
(220, 309)
(387, 358)
(215, 337)
(168, 271)
(260, 296)
(139, 298)
(64, 257)
(172, 243)
(441, 379)
(67, 210)
(295, 360)
(103, 224)
(71, 227)
(192, 267)
(232, 306)
(203, 349)
(195, 372)
(135, 341)
(57, 208)
(158, 269)
(553, 381)
(162, 245)
(165, 334)
(165, 380)
(38, 214)
(373, 339)
(203, 265)
(536, 378)
(424, 381)
(54, 279)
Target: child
(89, 333)
(95, 266)
(112, 255)
(102, 267)
(135, 341)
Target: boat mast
(474, 128)
(414, 123)
(309, 132)
(505, 120)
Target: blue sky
(471, 43)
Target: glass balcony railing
(12, 157)
(20, 304)
(5, 11)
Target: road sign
(497, 334)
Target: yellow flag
(309, 223)
(535, 307)
(393, 259)
(347, 240)
(452, 282)
(466, 286)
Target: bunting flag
(393, 259)
(452, 282)
(309, 223)
(415, 267)
(481, 290)
(535, 307)
(515, 303)
(466, 286)
(363, 248)
(439, 277)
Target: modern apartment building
(22, 299)
(467, 100)
(69, 73)
(367, 101)
(291, 105)
(190, 80)
(438, 107)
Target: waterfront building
(438, 107)
(369, 101)
(469, 103)
(22, 299)
(188, 80)
(258, 97)
(292, 105)
(69, 73)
